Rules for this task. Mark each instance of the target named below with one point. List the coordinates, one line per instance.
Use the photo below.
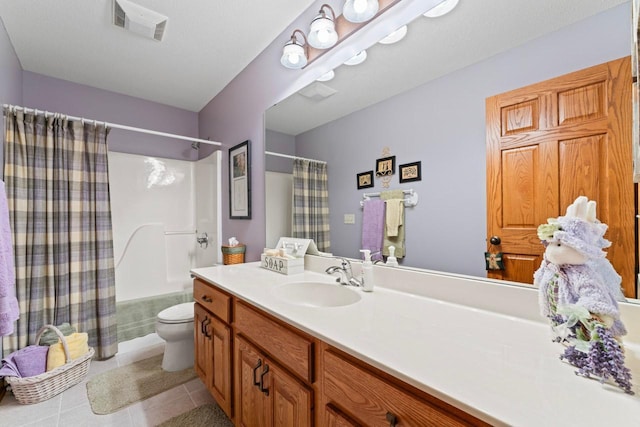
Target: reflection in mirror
(424, 99)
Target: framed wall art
(365, 180)
(240, 181)
(386, 166)
(410, 172)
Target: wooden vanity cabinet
(375, 399)
(273, 371)
(212, 339)
(282, 376)
(266, 394)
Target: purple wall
(10, 80)
(282, 143)
(442, 124)
(51, 94)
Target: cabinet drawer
(213, 299)
(283, 344)
(372, 400)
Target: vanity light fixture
(294, 53)
(357, 59)
(441, 9)
(329, 75)
(322, 33)
(396, 36)
(357, 11)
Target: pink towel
(9, 311)
(373, 227)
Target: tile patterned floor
(71, 408)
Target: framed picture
(386, 166)
(240, 181)
(410, 172)
(365, 180)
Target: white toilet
(175, 326)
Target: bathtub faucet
(203, 240)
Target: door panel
(252, 406)
(551, 142)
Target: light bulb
(442, 8)
(293, 58)
(360, 5)
(396, 36)
(323, 36)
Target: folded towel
(49, 337)
(9, 310)
(373, 227)
(32, 360)
(9, 367)
(394, 199)
(26, 362)
(78, 344)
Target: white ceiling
(205, 45)
(474, 31)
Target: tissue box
(282, 265)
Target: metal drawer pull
(255, 381)
(202, 325)
(264, 372)
(207, 298)
(393, 420)
(206, 323)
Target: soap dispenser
(391, 259)
(367, 271)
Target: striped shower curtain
(56, 177)
(311, 202)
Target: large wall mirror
(423, 98)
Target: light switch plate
(349, 218)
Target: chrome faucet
(346, 274)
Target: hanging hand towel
(373, 227)
(9, 311)
(394, 217)
(394, 235)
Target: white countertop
(500, 368)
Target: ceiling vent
(138, 19)
(317, 91)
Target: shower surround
(158, 205)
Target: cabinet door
(203, 363)
(252, 405)
(292, 400)
(219, 335)
(335, 418)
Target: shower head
(195, 145)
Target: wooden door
(203, 359)
(549, 143)
(252, 405)
(292, 400)
(220, 336)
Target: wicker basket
(233, 254)
(44, 386)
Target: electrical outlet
(349, 218)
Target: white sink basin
(316, 294)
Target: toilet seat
(180, 313)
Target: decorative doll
(579, 293)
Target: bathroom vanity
(425, 349)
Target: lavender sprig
(605, 359)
